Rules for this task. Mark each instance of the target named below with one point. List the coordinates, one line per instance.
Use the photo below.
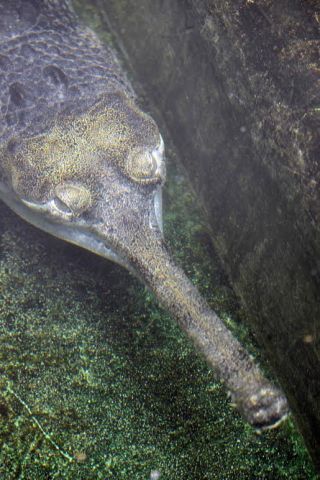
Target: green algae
(108, 375)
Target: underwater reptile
(80, 160)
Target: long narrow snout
(261, 403)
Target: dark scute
(10, 119)
(22, 117)
(28, 11)
(55, 76)
(74, 91)
(27, 51)
(13, 146)
(17, 94)
(4, 62)
(18, 15)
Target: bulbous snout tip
(264, 409)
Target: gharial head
(91, 177)
(96, 181)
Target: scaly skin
(79, 159)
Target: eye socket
(146, 165)
(62, 206)
(142, 167)
(72, 198)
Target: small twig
(46, 435)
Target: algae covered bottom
(110, 378)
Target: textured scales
(49, 65)
(79, 159)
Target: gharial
(79, 159)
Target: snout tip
(265, 409)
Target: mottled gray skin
(80, 160)
(49, 65)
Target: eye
(143, 166)
(72, 198)
(62, 206)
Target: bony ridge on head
(130, 137)
(114, 134)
